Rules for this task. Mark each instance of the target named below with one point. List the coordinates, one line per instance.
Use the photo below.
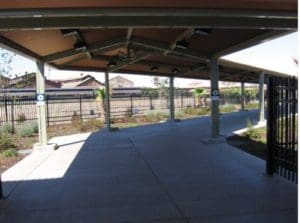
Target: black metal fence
(282, 127)
(62, 109)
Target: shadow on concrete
(159, 173)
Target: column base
(111, 129)
(262, 123)
(39, 147)
(174, 120)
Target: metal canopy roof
(171, 37)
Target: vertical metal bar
(107, 101)
(47, 109)
(261, 98)
(80, 108)
(181, 100)
(5, 107)
(12, 113)
(171, 97)
(1, 190)
(286, 118)
(131, 105)
(270, 127)
(243, 96)
(281, 123)
(151, 102)
(294, 130)
(214, 82)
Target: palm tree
(100, 97)
(199, 93)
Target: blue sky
(275, 55)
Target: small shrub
(179, 114)
(10, 153)
(90, 125)
(156, 116)
(252, 133)
(21, 117)
(6, 142)
(35, 126)
(7, 128)
(197, 111)
(76, 120)
(252, 105)
(27, 130)
(227, 108)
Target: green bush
(10, 153)
(197, 111)
(35, 126)
(227, 108)
(27, 129)
(6, 142)
(253, 133)
(21, 117)
(179, 114)
(7, 128)
(252, 105)
(156, 116)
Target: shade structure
(167, 38)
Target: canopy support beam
(107, 101)
(171, 98)
(214, 83)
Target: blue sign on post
(215, 95)
(40, 99)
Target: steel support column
(242, 96)
(107, 101)
(214, 83)
(261, 98)
(171, 97)
(41, 105)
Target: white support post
(107, 101)
(242, 96)
(171, 98)
(214, 83)
(41, 105)
(261, 98)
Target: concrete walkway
(160, 173)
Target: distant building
(85, 81)
(120, 82)
(29, 81)
(4, 81)
(206, 84)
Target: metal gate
(282, 133)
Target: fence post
(1, 191)
(80, 108)
(5, 107)
(151, 103)
(131, 105)
(47, 110)
(12, 115)
(194, 101)
(181, 101)
(271, 118)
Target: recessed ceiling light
(175, 71)
(80, 46)
(203, 32)
(69, 32)
(112, 64)
(182, 44)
